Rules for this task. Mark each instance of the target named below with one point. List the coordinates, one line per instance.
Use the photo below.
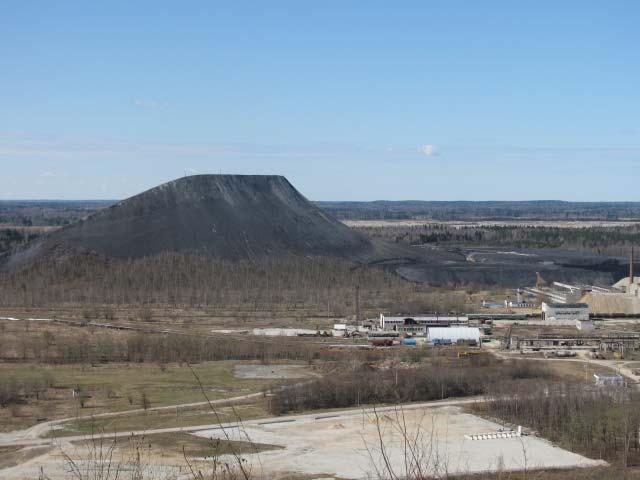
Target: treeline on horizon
(482, 210)
(616, 241)
(60, 213)
(47, 213)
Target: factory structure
(616, 342)
(418, 325)
(567, 302)
(433, 329)
(573, 312)
(552, 306)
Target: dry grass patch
(119, 387)
(163, 419)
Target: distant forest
(59, 213)
(24, 220)
(19, 222)
(602, 240)
(467, 210)
(47, 213)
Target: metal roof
(568, 305)
(454, 333)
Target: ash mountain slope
(225, 216)
(249, 217)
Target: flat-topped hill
(225, 216)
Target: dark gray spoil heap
(251, 216)
(225, 216)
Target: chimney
(631, 269)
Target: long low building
(453, 335)
(610, 341)
(418, 325)
(497, 316)
(565, 311)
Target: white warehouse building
(565, 311)
(452, 335)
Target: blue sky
(351, 100)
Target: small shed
(452, 335)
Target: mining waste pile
(225, 216)
(249, 217)
(518, 267)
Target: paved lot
(346, 444)
(349, 446)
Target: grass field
(118, 387)
(576, 371)
(184, 444)
(163, 419)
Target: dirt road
(34, 441)
(37, 431)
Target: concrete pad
(350, 446)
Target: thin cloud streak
(63, 150)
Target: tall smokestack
(631, 269)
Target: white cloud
(429, 150)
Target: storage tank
(409, 341)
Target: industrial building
(486, 316)
(556, 293)
(344, 330)
(545, 341)
(418, 325)
(453, 335)
(629, 286)
(571, 312)
(621, 299)
(520, 301)
(559, 292)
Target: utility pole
(358, 304)
(631, 273)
